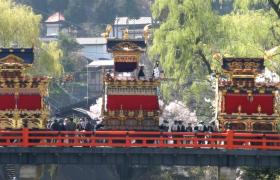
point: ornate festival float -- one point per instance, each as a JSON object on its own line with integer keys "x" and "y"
{"x": 21, "y": 95}
{"x": 130, "y": 100}
{"x": 243, "y": 103}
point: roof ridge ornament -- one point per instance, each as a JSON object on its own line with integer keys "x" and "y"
{"x": 125, "y": 34}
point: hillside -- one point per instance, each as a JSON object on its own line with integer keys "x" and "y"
{"x": 89, "y": 17}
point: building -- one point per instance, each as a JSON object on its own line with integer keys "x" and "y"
{"x": 135, "y": 26}
{"x": 54, "y": 24}
{"x": 94, "y": 48}
{"x": 95, "y": 74}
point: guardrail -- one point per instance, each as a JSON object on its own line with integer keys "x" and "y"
{"x": 220, "y": 140}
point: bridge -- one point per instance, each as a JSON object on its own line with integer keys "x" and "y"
{"x": 225, "y": 149}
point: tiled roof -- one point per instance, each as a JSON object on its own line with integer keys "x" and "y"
{"x": 127, "y": 21}
{"x": 91, "y": 41}
{"x": 98, "y": 63}
{"x": 56, "y": 17}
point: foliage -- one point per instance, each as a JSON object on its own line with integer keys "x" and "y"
{"x": 187, "y": 39}
{"x": 176, "y": 110}
{"x": 93, "y": 11}
{"x": 48, "y": 60}
{"x": 260, "y": 173}
{"x": 185, "y": 42}
{"x": 19, "y": 25}
{"x": 70, "y": 48}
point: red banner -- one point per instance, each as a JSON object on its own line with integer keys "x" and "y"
{"x": 132, "y": 102}
{"x": 249, "y": 104}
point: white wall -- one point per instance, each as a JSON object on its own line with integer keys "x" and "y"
{"x": 95, "y": 52}
{"x": 52, "y": 29}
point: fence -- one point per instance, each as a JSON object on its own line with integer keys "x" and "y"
{"x": 220, "y": 140}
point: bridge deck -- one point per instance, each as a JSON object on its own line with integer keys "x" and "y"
{"x": 140, "y": 156}
{"x": 140, "y": 148}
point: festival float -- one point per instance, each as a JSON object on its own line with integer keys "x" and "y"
{"x": 130, "y": 100}
{"x": 244, "y": 104}
{"x": 21, "y": 95}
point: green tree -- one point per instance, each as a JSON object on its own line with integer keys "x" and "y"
{"x": 70, "y": 49}
{"x": 185, "y": 42}
{"x": 48, "y": 61}
{"x": 187, "y": 39}
{"x": 20, "y": 27}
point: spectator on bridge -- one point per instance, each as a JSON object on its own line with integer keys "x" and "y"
{"x": 189, "y": 128}
{"x": 212, "y": 127}
{"x": 164, "y": 126}
{"x": 174, "y": 126}
{"x": 70, "y": 126}
{"x": 181, "y": 127}
{"x": 201, "y": 128}
{"x": 81, "y": 124}
{"x": 55, "y": 125}
{"x": 195, "y": 128}
{"x": 89, "y": 128}
{"x": 61, "y": 126}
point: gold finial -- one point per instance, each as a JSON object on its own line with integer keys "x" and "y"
{"x": 217, "y": 56}
{"x": 259, "y": 108}
{"x": 107, "y": 31}
{"x": 121, "y": 112}
{"x": 269, "y": 54}
{"x": 146, "y": 32}
{"x": 239, "y": 109}
{"x": 125, "y": 34}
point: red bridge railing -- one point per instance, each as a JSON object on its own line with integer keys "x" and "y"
{"x": 223, "y": 140}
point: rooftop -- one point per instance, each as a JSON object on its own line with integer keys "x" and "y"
{"x": 56, "y": 17}
{"x": 99, "y": 63}
{"x": 128, "y": 21}
{"x": 91, "y": 41}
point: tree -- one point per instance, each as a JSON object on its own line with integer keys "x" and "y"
{"x": 187, "y": 39}
{"x": 20, "y": 27}
{"x": 48, "y": 61}
{"x": 70, "y": 48}
{"x": 185, "y": 42}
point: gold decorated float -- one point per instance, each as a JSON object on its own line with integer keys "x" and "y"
{"x": 21, "y": 95}
{"x": 243, "y": 103}
{"x": 130, "y": 100}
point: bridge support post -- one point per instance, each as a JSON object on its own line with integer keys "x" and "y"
{"x": 25, "y": 135}
{"x": 230, "y": 135}
{"x": 124, "y": 170}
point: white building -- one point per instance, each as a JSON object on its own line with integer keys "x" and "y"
{"x": 94, "y": 48}
{"x": 54, "y": 24}
{"x": 95, "y": 72}
{"x": 135, "y": 26}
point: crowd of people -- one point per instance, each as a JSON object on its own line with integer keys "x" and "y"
{"x": 68, "y": 124}
{"x": 178, "y": 126}
{"x": 86, "y": 124}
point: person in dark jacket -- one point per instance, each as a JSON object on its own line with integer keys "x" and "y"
{"x": 181, "y": 127}
{"x": 89, "y": 128}
{"x": 70, "y": 126}
{"x": 189, "y": 128}
{"x": 55, "y": 125}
